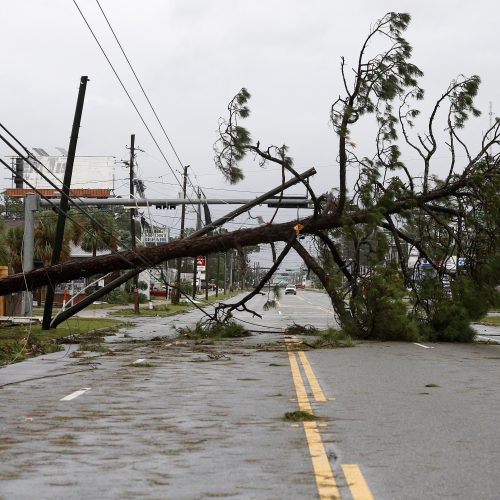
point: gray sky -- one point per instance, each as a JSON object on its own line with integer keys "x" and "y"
{"x": 194, "y": 55}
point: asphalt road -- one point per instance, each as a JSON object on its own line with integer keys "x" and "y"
{"x": 398, "y": 421}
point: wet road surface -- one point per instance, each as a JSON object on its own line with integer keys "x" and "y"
{"x": 171, "y": 419}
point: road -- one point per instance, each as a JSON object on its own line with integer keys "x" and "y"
{"x": 397, "y": 420}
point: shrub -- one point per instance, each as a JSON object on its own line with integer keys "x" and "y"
{"x": 116, "y": 296}
{"x": 332, "y": 338}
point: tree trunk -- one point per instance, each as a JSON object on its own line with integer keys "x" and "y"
{"x": 152, "y": 256}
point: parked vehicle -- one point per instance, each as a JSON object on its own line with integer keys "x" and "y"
{"x": 290, "y": 289}
{"x": 158, "y": 293}
{"x": 300, "y": 285}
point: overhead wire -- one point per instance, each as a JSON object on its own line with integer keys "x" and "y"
{"x": 140, "y": 84}
{"x": 127, "y": 93}
{"x": 55, "y": 186}
{"x": 143, "y": 91}
{"x": 144, "y": 259}
{"x": 132, "y": 102}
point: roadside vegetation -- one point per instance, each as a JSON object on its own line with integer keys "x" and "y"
{"x": 213, "y": 331}
{"x": 157, "y": 310}
{"x": 315, "y": 338}
{"x": 19, "y": 342}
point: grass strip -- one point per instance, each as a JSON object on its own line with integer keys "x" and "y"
{"x": 170, "y": 309}
{"x": 491, "y": 320}
{"x": 19, "y": 342}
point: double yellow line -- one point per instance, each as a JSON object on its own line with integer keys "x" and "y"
{"x": 325, "y": 480}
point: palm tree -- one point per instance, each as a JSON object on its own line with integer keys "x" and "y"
{"x": 45, "y": 232}
{"x": 4, "y": 248}
{"x": 14, "y": 243}
{"x": 100, "y": 233}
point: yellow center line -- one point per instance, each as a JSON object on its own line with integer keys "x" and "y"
{"x": 313, "y": 381}
{"x": 325, "y": 482}
{"x": 302, "y": 398}
{"x": 356, "y": 482}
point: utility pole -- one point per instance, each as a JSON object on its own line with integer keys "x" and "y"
{"x": 195, "y": 277}
{"x": 225, "y": 272}
{"x": 61, "y": 220}
{"x": 177, "y": 292}
{"x": 132, "y": 221}
{"x": 31, "y": 204}
{"x": 231, "y": 271}
{"x": 206, "y": 229}
{"x": 217, "y": 280}
{"x": 206, "y": 277}
{"x": 195, "y": 265}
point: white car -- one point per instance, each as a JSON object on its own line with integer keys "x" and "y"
{"x": 291, "y": 289}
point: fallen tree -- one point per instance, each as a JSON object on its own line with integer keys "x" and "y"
{"x": 455, "y": 214}
{"x": 269, "y": 233}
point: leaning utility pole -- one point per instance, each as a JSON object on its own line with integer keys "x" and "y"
{"x": 61, "y": 220}
{"x": 177, "y": 292}
{"x": 19, "y": 285}
{"x": 132, "y": 221}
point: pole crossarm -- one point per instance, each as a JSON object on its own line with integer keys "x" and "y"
{"x": 200, "y": 232}
{"x": 284, "y": 202}
{"x": 61, "y": 273}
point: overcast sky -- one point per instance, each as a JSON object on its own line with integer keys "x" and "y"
{"x": 192, "y": 56}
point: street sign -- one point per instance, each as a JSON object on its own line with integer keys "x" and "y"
{"x": 201, "y": 261}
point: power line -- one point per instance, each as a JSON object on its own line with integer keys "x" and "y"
{"x": 140, "y": 84}
{"x": 144, "y": 92}
{"x": 54, "y": 206}
{"x": 128, "y": 94}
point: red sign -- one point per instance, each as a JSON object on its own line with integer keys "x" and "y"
{"x": 201, "y": 261}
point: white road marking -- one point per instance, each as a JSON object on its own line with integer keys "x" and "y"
{"x": 424, "y": 346}
{"x": 138, "y": 361}
{"x": 75, "y": 394}
{"x": 279, "y": 312}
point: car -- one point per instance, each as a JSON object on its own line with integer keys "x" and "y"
{"x": 300, "y": 285}
{"x": 290, "y": 289}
